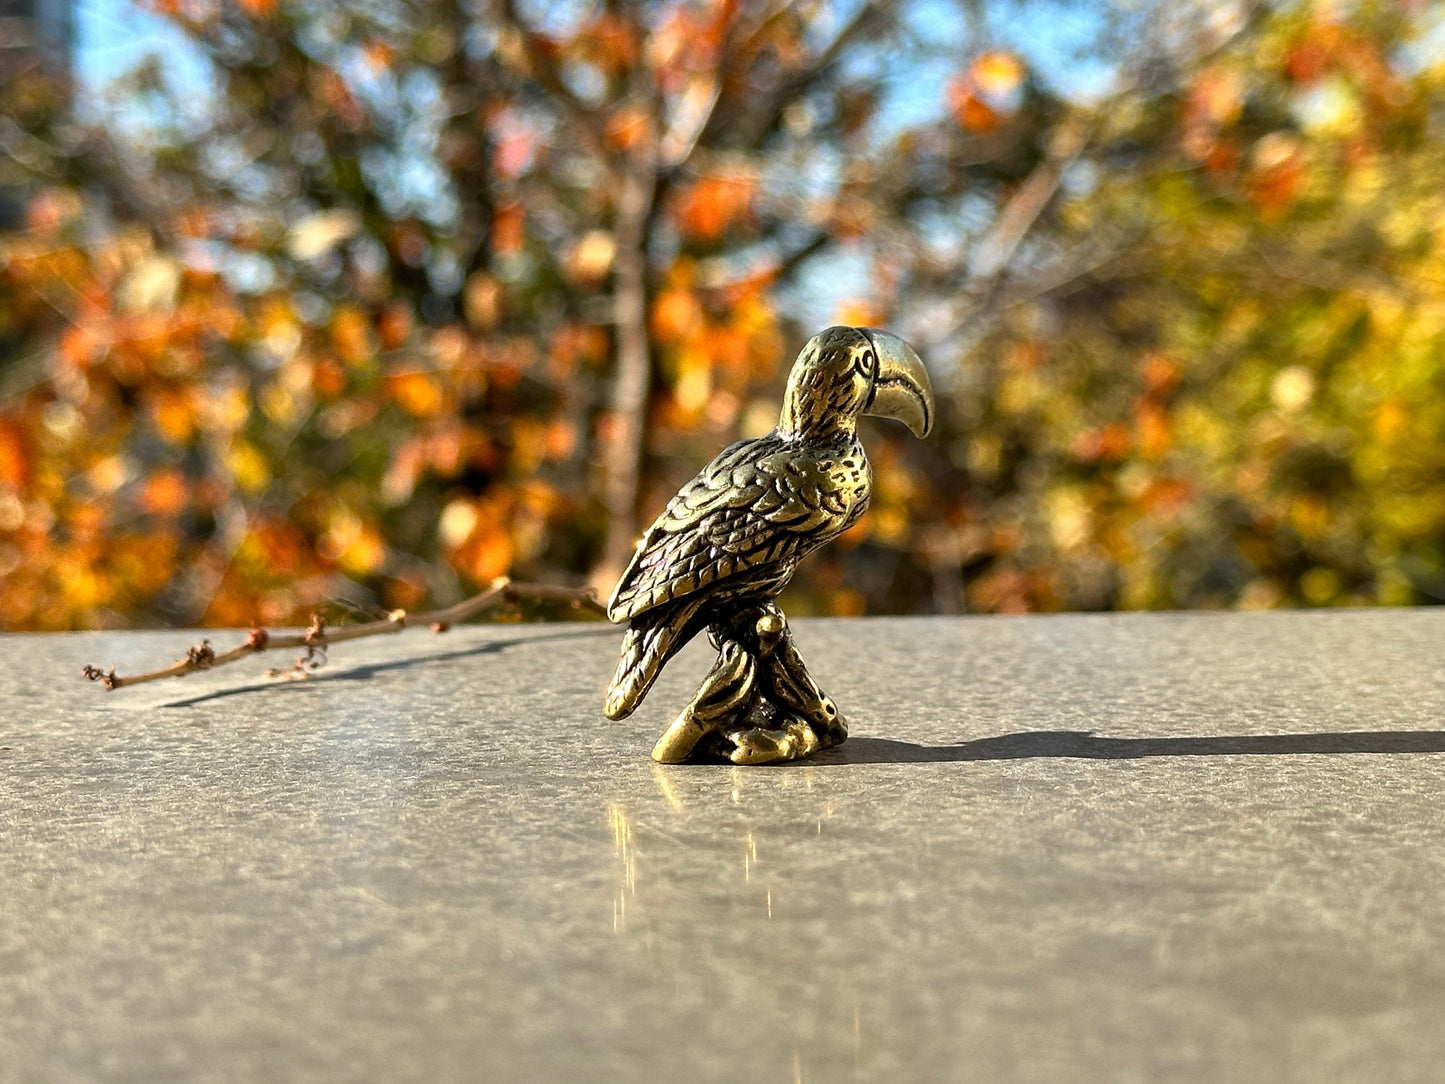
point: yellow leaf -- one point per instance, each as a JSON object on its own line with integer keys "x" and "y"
{"x": 248, "y": 467}
{"x": 997, "y": 74}
{"x": 457, "y": 520}
{"x": 694, "y": 379}
{"x": 591, "y": 258}
{"x": 483, "y": 299}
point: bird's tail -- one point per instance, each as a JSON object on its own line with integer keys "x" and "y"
{"x": 651, "y": 639}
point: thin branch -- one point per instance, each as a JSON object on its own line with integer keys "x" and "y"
{"x": 1089, "y": 259}
{"x": 996, "y": 251}
{"x": 544, "y": 71}
{"x": 749, "y": 129}
{"x": 713, "y": 275}
{"x": 788, "y": 262}
{"x": 319, "y": 636}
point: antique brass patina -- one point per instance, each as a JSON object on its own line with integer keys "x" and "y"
{"x": 729, "y": 542}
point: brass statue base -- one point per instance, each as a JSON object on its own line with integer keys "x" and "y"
{"x": 758, "y": 704}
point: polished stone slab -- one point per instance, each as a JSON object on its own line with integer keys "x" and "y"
{"x": 1122, "y": 847}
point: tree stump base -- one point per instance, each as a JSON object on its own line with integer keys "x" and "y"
{"x": 758, "y": 704}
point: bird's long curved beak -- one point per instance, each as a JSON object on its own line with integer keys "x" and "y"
{"x": 901, "y": 390}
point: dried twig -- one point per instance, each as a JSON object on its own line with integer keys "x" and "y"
{"x": 319, "y": 636}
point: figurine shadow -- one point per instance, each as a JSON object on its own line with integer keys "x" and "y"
{"x": 368, "y": 671}
{"x": 1084, "y": 745}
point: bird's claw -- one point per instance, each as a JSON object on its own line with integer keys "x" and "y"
{"x": 767, "y": 746}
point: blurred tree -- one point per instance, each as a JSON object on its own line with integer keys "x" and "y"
{"x": 432, "y": 291}
{"x": 1243, "y": 406}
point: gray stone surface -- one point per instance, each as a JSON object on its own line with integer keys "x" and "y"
{"x": 1147, "y": 847}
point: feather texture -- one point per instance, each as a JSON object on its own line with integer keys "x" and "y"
{"x": 735, "y": 531}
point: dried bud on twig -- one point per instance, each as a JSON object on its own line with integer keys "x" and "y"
{"x": 200, "y": 656}
{"x": 316, "y": 633}
{"x": 105, "y": 677}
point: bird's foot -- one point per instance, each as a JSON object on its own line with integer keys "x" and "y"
{"x": 784, "y": 736}
{"x": 770, "y": 745}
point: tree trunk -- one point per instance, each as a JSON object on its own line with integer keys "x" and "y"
{"x": 622, "y": 441}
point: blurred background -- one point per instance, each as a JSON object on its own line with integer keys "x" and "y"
{"x": 381, "y": 299}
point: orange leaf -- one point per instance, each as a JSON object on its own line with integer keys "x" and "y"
{"x": 675, "y": 314}
{"x": 487, "y": 553}
{"x": 79, "y": 345}
{"x": 379, "y": 55}
{"x": 1111, "y": 442}
{"x": 351, "y": 336}
{"x": 573, "y": 345}
{"x": 174, "y": 414}
{"x": 509, "y": 229}
{"x": 1152, "y": 428}
{"x": 393, "y": 325}
{"x": 1307, "y": 61}
{"x": 613, "y": 43}
{"x": 971, "y": 111}
{"x": 1276, "y": 173}
{"x": 1216, "y": 97}
{"x": 416, "y": 392}
{"x": 628, "y": 127}
{"x": 164, "y": 493}
{"x": 714, "y": 205}
{"x": 15, "y": 459}
{"x": 1165, "y": 496}
{"x": 1161, "y": 374}
{"x": 328, "y": 378}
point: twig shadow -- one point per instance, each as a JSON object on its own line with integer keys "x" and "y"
{"x": 368, "y": 671}
{"x": 1085, "y": 745}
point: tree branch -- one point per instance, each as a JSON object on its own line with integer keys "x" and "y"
{"x": 749, "y": 129}
{"x": 622, "y": 447}
{"x": 318, "y": 636}
{"x": 993, "y": 254}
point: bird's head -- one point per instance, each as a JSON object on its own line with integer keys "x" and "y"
{"x": 847, "y": 371}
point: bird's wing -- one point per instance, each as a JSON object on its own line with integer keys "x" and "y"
{"x": 759, "y": 502}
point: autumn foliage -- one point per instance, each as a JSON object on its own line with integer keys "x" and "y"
{"x": 437, "y": 296}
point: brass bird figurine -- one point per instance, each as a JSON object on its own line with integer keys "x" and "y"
{"x": 729, "y": 542}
